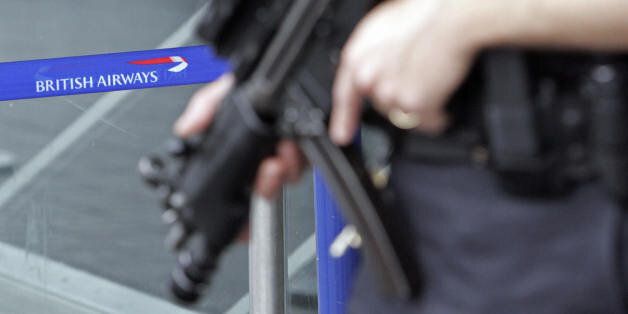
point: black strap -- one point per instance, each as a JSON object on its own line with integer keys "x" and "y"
{"x": 509, "y": 116}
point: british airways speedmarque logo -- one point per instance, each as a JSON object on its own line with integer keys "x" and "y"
{"x": 109, "y": 72}
{"x": 182, "y": 62}
{"x": 115, "y": 79}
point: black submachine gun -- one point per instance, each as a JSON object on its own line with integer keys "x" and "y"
{"x": 544, "y": 122}
{"x": 284, "y": 54}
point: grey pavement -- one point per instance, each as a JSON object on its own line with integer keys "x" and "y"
{"x": 88, "y": 209}
{"x": 7, "y": 161}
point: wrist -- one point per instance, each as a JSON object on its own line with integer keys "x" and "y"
{"x": 491, "y": 23}
{"x": 474, "y": 23}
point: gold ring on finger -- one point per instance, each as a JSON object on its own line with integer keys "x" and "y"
{"x": 404, "y": 120}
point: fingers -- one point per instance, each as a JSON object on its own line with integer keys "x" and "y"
{"x": 384, "y": 96}
{"x": 359, "y": 75}
{"x": 285, "y": 166}
{"x": 202, "y": 106}
{"x": 289, "y": 153}
{"x": 433, "y": 122}
{"x": 346, "y": 109}
{"x": 245, "y": 234}
{"x": 270, "y": 177}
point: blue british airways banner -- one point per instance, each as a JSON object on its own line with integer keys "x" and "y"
{"x": 109, "y": 72}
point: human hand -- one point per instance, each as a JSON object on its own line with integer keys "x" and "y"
{"x": 284, "y": 166}
{"x": 406, "y": 56}
{"x": 414, "y": 69}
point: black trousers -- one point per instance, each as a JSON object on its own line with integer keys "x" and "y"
{"x": 484, "y": 251}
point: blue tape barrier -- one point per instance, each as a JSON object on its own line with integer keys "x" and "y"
{"x": 335, "y": 275}
{"x": 109, "y": 72}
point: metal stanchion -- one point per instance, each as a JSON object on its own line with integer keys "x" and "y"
{"x": 267, "y": 266}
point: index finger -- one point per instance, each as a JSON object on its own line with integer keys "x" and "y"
{"x": 346, "y": 107}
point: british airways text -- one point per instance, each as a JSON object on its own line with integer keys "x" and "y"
{"x": 88, "y": 82}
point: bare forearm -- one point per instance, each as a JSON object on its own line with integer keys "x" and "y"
{"x": 580, "y": 24}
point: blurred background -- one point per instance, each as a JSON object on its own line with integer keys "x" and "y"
{"x": 79, "y": 233}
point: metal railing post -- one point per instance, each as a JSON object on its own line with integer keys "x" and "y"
{"x": 267, "y": 265}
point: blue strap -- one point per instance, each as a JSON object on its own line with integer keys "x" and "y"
{"x": 109, "y": 72}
